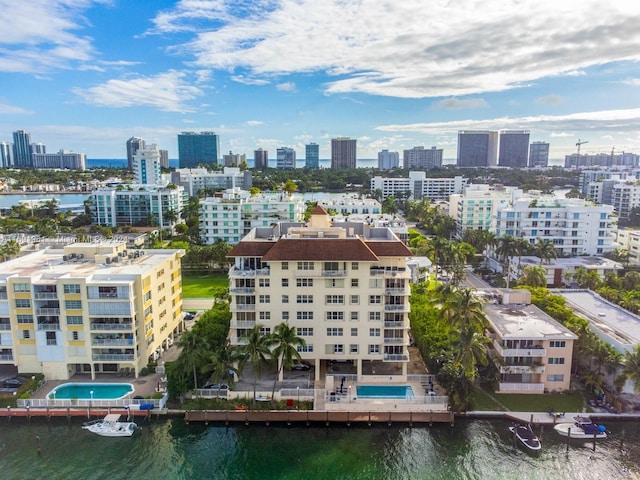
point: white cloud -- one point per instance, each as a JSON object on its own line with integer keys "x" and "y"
{"x": 253, "y": 123}
{"x": 634, "y": 82}
{"x": 509, "y": 44}
{"x": 6, "y": 109}
{"x": 550, "y": 100}
{"x": 286, "y": 87}
{"x": 166, "y": 91}
{"x": 460, "y": 104}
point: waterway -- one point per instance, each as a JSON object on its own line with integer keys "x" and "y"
{"x": 170, "y": 449}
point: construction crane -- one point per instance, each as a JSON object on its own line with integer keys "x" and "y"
{"x": 580, "y": 143}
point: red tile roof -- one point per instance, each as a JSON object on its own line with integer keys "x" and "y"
{"x": 250, "y": 249}
{"x": 318, "y": 210}
{"x": 320, "y": 249}
{"x": 390, "y": 249}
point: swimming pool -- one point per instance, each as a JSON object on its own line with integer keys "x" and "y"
{"x": 384, "y": 391}
{"x": 82, "y": 391}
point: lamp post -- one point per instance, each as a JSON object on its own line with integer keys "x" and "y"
{"x": 298, "y": 404}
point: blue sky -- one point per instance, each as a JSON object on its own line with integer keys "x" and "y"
{"x": 85, "y": 75}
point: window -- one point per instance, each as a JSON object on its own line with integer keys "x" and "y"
{"x": 555, "y": 361}
{"x": 354, "y": 265}
{"x": 331, "y": 266}
{"x": 304, "y": 331}
{"x": 147, "y": 295}
{"x": 74, "y": 305}
{"x": 308, "y": 348}
{"x": 264, "y": 299}
{"x": 23, "y": 303}
{"x": 26, "y": 334}
{"x": 355, "y": 299}
{"x": 375, "y": 299}
{"x": 354, "y": 282}
{"x": 21, "y": 287}
{"x": 375, "y": 283}
{"x": 74, "y": 320}
{"x": 354, "y": 332}
{"x": 304, "y": 298}
{"x": 25, "y": 318}
{"x": 334, "y": 332}
{"x": 335, "y": 316}
{"x": 555, "y": 378}
{"x": 285, "y": 298}
{"x": 338, "y": 349}
{"x": 265, "y": 331}
{"x": 71, "y": 288}
{"x": 263, "y": 282}
{"x": 334, "y": 283}
{"x": 304, "y": 315}
{"x": 353, "y": 348}
{"x": 557, "y": 344}
{"x": 285, "y": 265}
{"x": 374, "y": 316}
{"x": 75, "y": 336}
{"x": 374, "y": 348}
{"x": 334, "y": 299}
{"x": 285, "y": 316}
{"x": 374, "y": 332}
{"x": 304, "y": 282}
{"x": 51, "y": 338}
{"x": 355, "y": 316}
{"x": 285, "y": 282}
{"x": 305, "y": 265}
{"x": 265, "y": 315}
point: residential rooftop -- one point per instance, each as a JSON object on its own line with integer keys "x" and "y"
{"x": 528, "y": 322}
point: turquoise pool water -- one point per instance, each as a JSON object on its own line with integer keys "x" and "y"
{"x": 82, "y": 391}
{"x": 384, "y": 391}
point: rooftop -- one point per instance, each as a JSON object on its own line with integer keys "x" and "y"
{"x": 525, "y": 322}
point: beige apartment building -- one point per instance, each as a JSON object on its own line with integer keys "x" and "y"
{"x": 531, "y": 350}
{"x": 89, "y": 308}
{"x": 344, "y": 287}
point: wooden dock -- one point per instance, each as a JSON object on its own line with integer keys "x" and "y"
{"x": 73, "y": 412}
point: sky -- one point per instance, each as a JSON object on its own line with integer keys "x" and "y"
{"x": 85, "y": 75}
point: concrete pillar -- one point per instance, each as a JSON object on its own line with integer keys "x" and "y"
{"x": 359, "y": 367}
{"x": 404, "y": 369}
{"x": 317, "y": 369}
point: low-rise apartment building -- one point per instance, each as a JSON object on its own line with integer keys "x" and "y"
{"x": 89, "y": 308}
{"x": 417, "y": 186}
{"x": 344, "y": 287}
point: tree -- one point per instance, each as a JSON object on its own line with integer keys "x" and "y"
{"x": 194, "y": 354}
{"x": 463, "y": 309}
{"x": 506, "y": 249}
{"x": 255, "y": 350}
{"x": 11, "y": 248}
{"x": 631, "y": 371}
{"x": 290, "y": 187}
{"x": 223, "y": 365}
{"x": 284, "y": 343}
{"x": 545, "y": 250}
{"x": 534, "y": 276}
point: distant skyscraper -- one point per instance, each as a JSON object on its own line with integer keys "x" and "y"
{"x": 286, "y": 158}
{"x": 539, "y": 154}
{"x": 5, "y": 154}
{"x": 21, "y": 149}
{"x": 343, "y": 153}
{"x": 38, "y": 148}
{"x": 514, "y": 148}
{"x": 312, "y": 156}
{"x": 260, "y": 159}
{"x": 388, "y": 160}
{"x": 63, "y": 159}
{"x": 146, "y": 166}
{"x": 133, "y": 145}
{"x": 234, "y": 159}
{"x": 419, "y": 158}
{"x": 477, "y": 148}
{"x": 198, "y": 148}
{"x": 164, "y": 158}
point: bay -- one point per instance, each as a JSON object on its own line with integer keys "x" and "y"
{"x": 170, "y": 449}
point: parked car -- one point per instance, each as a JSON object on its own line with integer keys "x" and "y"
{"x": 12, "y": 383}
{"x": 216, "y": 386}
{"x": 300, "y": 366}
{"x": 189, "y": 316}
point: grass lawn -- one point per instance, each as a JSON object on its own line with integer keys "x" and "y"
{"x": 203, "y": 286}
{"x": 560, "y": 402}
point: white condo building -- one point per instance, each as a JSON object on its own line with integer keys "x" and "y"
{"x": 146, "y": 165}
{"x": 194, "y": 180}
{"x": 351, "y": 205}
{"x": 89, "y": 308}
{"x": 419, "y": 186}
{"x": 231, "y": 215}
{"x": 388, "y": 160}
{"x": 63, "y": 159}
{"x": 344, "y": 288}
{"x": 576, "y": 227}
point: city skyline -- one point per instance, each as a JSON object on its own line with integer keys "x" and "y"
{"x": 86, "y": 81}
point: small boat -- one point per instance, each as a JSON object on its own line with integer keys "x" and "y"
{"x": 111, "y": 426}
{"x": 581, "y": 428}
{"x": 524, "y": 433}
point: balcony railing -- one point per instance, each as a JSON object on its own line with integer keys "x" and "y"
{"x": 48, "y": 311}
{"x": 396, "y": 308}
{"x": 113, "y": 357}
{"x": 49, "y": 327}
{"x": 334, "y": 273}
{"x": 45, "y": 295}
{"x": 114, "y": 342}
{"x": 6, "y": 358}
{"x": 243, "y": 290}
{"x": 243, "y": 324}
{"x": 244, "y": 306}
{"x": 396, "y": 291}
{"x": 394, "y": 325}
{"x": 519, "y": 352}
{"x": 521, "y": 387}
{"x": 112, "y": 326}
{"x": 394, "y": 340}
{"x": 5, "y": 326}
{"x": 395, "y": 357}
{"x": 522, "y": 369}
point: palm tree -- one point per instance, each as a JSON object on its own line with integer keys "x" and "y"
{"x": 194, "y": 354}
{"x": 470, "y": 350}
{"x": 290, "y": 187}
{"x": 534, "y": 276}
{"x": 464, "y": 309}
{"x": 256, "y": 350}
{"x": 505, "y": 250}
{"x": 223, "y": 363}
{"x": 631, "y": 364}
{"x": 285, "y": 343}
{"x": 545, "y": 250}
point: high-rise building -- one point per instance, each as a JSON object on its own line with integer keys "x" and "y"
{"x": 539, "y": 154}
{"x": 5, "y": 155}
{"x": 286, "y": 158}
{"x": 38, "y": 148}
{"x": 198, "y": 148}
{"x": 21, "y": 149}
{"x": 164, "y": 158}
{"x": 419, "y": 158}
{"x": 514, "y": 148}
{"x": 195, "y": 180}
{"x": 312, "y": 156}
{"x": 133, "y": 145}
{"x": 388, "y": 160}
{"x": 234, "y": 159}
{"x": 260, "y": 159}
{"x": 477, "y": 148}
{"x": 146, "y": 166}
{"x": 63, "y": 159}
{"x": 343, "y": 153}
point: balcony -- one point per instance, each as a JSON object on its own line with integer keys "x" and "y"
{"x": 113, "y": 357}
{"x": 243, "y": 324}
{"x": 48, "y": 311}
{"x": 521, "y": 387}
{"x": 112, "y": 326}
{"x": 45, "y": 295}
{"x": 394, "y": 340}
{"x": 534, "y": 351}
{"x": 243, "y": 307}
{"x": 5, "y": 326}
{"x": 395, "y": 325}
{"x": 112, "y": 342}
{"x": 49, "y": 327}
{"x": 334, "y": 273}
{"x": 396, "y": 308}
{"x": 240, "y": 290}
{"x": 6, "y": 358}
{"x": 395, "y": 357}
{"x": 396, "y": 291}
{"x": 237, "y": 273}
{"x": 522, "y": 369}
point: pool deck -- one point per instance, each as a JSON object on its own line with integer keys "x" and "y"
{"x": 144, "y": 386}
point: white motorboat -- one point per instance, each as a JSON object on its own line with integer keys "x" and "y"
{"x": 581, "y": 428}
{"x": 111, "y": 426}
{"x": 524, "y": 433}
